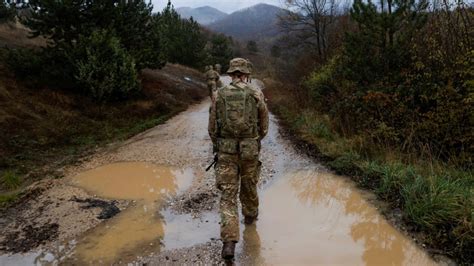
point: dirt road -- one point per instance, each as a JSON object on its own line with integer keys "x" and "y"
{"x": 169, "y": 210}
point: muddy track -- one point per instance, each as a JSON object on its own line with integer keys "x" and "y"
{"x": 308, "y": 216}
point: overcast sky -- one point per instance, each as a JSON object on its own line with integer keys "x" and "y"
{"x": 227, "y": 6}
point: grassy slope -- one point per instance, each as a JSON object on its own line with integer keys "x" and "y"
{"x": 436, "y": 200}
{"x": 43, "y": 128}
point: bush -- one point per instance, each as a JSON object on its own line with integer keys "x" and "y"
{"x": 23, "y": 61}
{"x": 103, "y": 68}
{"x": 346, "y": 164}
{"x": 321, "y": 83}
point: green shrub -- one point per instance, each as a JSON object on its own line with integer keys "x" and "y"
{"x": 103, "y": 68}
{"x": 321, "y": 83}
{"x": 346, "y": 164}
{"x": 23, "y": 61}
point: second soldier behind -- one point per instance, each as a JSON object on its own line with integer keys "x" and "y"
{"x": 213, "y": 79}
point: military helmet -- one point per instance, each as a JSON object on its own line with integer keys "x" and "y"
{"x": 238, "y": 64}
{"x": 206, "y": 68}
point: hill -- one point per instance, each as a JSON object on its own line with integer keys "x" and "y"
{"x": 253, "y": 23}
{"x": 43, "y": 128}
{"x": 203, "y": 15}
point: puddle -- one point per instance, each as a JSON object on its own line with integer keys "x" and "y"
{"x": 135, "y": 181}
{"x": 139, "y": 229}
{"x": 185, "y": 231}
{"x": 306, "y": 218}
{"x": 314, "y": 218}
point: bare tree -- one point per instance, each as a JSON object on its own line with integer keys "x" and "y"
{"x": 308, "y": 22}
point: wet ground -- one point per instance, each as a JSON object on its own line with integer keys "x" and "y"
{"x": 168, "y": 210}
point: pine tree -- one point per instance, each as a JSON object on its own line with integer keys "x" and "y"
{"x": 384, "y": 33}
{"x": 221, "y": 50}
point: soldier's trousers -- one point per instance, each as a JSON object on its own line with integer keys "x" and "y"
{"x": 236, "y": 178}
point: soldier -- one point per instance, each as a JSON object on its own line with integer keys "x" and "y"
{"x": 250, "y": 65}
{"x": 218, "y": 68}
{"x": 213, "y": 79}
{"x": 238, "y": 121}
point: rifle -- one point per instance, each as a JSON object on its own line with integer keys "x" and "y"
{"x": 213, "y": 163}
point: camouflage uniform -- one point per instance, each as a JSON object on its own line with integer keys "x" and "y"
{"x": 238, "y": 163}
{"x": 213, "y": 80}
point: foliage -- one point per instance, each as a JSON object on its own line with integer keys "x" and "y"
{"x": 7, "y": 12}
{"x": 252, "y": 47}
{"x": 221, "y": 50}
{"x": 407, "y": 93}
{"x": 103, "y": 68}
{"x": 181, "y": 39}
{"x": 275, "y": 51}
{"x": 63, "y": 22}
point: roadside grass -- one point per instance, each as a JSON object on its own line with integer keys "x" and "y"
{"x": 436, "y": 198}
{"x": 11, "y": 180}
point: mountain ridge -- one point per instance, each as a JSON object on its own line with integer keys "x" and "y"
{"x": 204, "y": 15}
{"x": 250, "y": 23}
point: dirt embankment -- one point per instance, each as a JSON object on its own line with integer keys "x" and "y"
{"x": 43, "y": 129}
{"x": 14, "y": 35}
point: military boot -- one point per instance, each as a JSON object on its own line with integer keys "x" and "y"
{"x": 228, "y": 250}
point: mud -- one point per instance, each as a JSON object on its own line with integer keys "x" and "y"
{"x": 29, "y": 237}
{"x": 109, "y": 209}
{"x": 169, "y": 207}
{"x": 45, "y": 217}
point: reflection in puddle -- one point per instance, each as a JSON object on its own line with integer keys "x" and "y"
{"x": 315, "y": 218}
{"x": 139, "y": 229}
{"x": 185, "y": 231}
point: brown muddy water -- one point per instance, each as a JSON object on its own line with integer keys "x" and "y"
{"x": 315, "y": 218}
{"x": 307, "y": 217}
{"x": 140, "y": 228}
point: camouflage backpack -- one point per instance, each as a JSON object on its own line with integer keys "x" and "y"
{"x": 237, "y": 112}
